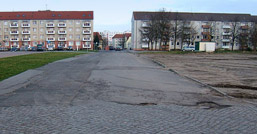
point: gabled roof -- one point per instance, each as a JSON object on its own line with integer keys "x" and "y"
{"x": 99, "y": 36}
{"x": 118, "y": 36}
{"x": 195, "y": 16}
{"x": 47, "y": 15}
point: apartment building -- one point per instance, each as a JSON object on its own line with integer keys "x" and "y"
{"x": 50, "y": 28}
{"x": 120, "y": 40}
{"x": 214, "y": 27}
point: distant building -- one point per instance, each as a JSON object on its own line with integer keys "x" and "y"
{"x": 109, "y": 35}
{"x": 215, "y": 27}
{"x": 120, "y": 40}
{"x": 50, "y": 28}
{"x": 100, "y": 45}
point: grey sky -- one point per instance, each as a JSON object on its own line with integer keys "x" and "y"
{"x": 115, "y": 15}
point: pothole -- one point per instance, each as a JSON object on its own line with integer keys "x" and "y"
{"x": 210, "y": 105}
{"x": 146, "y": 104}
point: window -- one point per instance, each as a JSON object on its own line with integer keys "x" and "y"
{"x": 71, "y": 22}
{"x": 34, "y": 43}
{"x": 23, "y": 15}
{"x": 41, "y": 36}
{"x": 70, "y": 29}
{"x": 71, "y": 36}
{"x": 6, "y": 37}
{"x": 18, "y": 15}
{"x": 198, "y": 37}
{"x": 41, "y": 22}
{"x": 177, "y": 43}
{"x": 77, "y": 22}
{"x": 5, "y": 23}
{"x": 70, "y": 43}
{"x": 77, "y": 36}
{"x": 6, "y": 43}
{"x": 6, "y": 30}
{"x": 41, "y": 29}
{"x": 78, "y": 43}
{"x": 78, "y": 29}
{"x": 34, "y": 22}
{"x": 34, "y": 36}
{"x": 34, "y": 29}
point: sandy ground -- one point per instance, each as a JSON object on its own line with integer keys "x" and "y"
{"x": 10, "y": 54}
{"x": 234, "y": 74}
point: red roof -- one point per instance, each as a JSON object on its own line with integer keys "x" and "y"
{"x": 127, "y": 35}
{"x": 99, "y": 36}
{"x": 118, "y": 36}
{"x": 46, "y": 15}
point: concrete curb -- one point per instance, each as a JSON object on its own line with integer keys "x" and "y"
{"x": 192, "y": 79}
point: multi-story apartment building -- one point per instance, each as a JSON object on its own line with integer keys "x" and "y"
{"x": 51, "y": 28}
{"x": 215, "y": 27}
{"x": 120, "y": 40}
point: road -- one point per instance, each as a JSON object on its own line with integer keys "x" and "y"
{"x": 116, "y": 92}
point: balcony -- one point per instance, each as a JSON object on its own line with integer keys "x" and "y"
{"x": 25, "y": 39}
{"x": 25, "y": 32}
{"x": 49, "y": 25}
{"x": 226, "y": 27}
{"x": 205, "y": 40}
{"x": 206, "y": 26}
{"x": 244, "y": 27}
{"x": 226, "y": 33}
{"x": 14, "y": 25}
{"x": 50, "y": 32}
{"x": 86, "y": 31}
{"x": 61, "y": 25}
{"x": 14, "y": 39}
{"x": 62, "y": 32}
{"x": 14, "y": 32}
{"x": 225, "y": 40}
{"x": 145, "y": 40}
{"x": 87, "y": 24}
{"x": 50, "y": 39}
{"x": 86, "y": 39}
{"x": 25, "y": 25}
{"x": 62, "y": 39}
{"x": 86, "y": 45}
{"x": 145, "y": 25}
{"x": 205, "y": 33}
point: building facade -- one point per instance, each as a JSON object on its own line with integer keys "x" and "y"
{"x": 50, "y": 28}
{"x": 120, "y": 40}
{"x": 209, "y": 27}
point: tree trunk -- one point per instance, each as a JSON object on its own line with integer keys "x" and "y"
{"x": 254, "y": 47}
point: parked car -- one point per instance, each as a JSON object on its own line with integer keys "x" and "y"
{"x": 188, "y": 48}
{"x": 60, "y": 48}
{"x": 118, "y": 48}
{"x": 50, "y": 48}
{"x": 70, "y": 48}
{"x": 40, "y": 47}
{"x": 111, "y": 48}
{"x": 3, "y": 49}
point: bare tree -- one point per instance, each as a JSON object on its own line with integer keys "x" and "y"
{"x": 188, "y": 33}
{"x": 164, "y": 27}
{"x": 234, "y": 31}
{"x": 243, "y": 37}
{"x": 253, "y": 36}
{"x": 176, "y": 29}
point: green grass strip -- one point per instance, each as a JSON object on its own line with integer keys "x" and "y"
{"x": 11, "y": 66}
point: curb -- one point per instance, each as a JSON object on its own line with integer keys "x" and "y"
{"x": 192, "y": 79}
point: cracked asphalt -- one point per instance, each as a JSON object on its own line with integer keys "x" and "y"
{"x": 116, "y": 92}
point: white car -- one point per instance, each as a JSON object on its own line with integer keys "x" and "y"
{"x": 188, "y": 48}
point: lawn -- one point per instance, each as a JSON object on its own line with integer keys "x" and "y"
{"x": 11, "y": 66}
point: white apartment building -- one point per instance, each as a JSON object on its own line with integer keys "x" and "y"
{"x": 50, "y": 28}
{"x": 219, "y": 24}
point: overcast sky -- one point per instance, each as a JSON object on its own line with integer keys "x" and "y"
{"x": 115, "y": 15}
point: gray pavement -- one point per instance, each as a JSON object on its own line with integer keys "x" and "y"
{"x": 116, "y": 92}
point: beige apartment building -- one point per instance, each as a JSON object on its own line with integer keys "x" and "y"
{"x": 217, "y": 25}
{"x": 50, "y": 28}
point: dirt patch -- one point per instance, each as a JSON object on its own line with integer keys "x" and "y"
{"x": 231, "y": 73}
{"x": 210, "y": 105}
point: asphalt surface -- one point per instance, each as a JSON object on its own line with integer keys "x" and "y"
{"x": 116, "y": 92}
